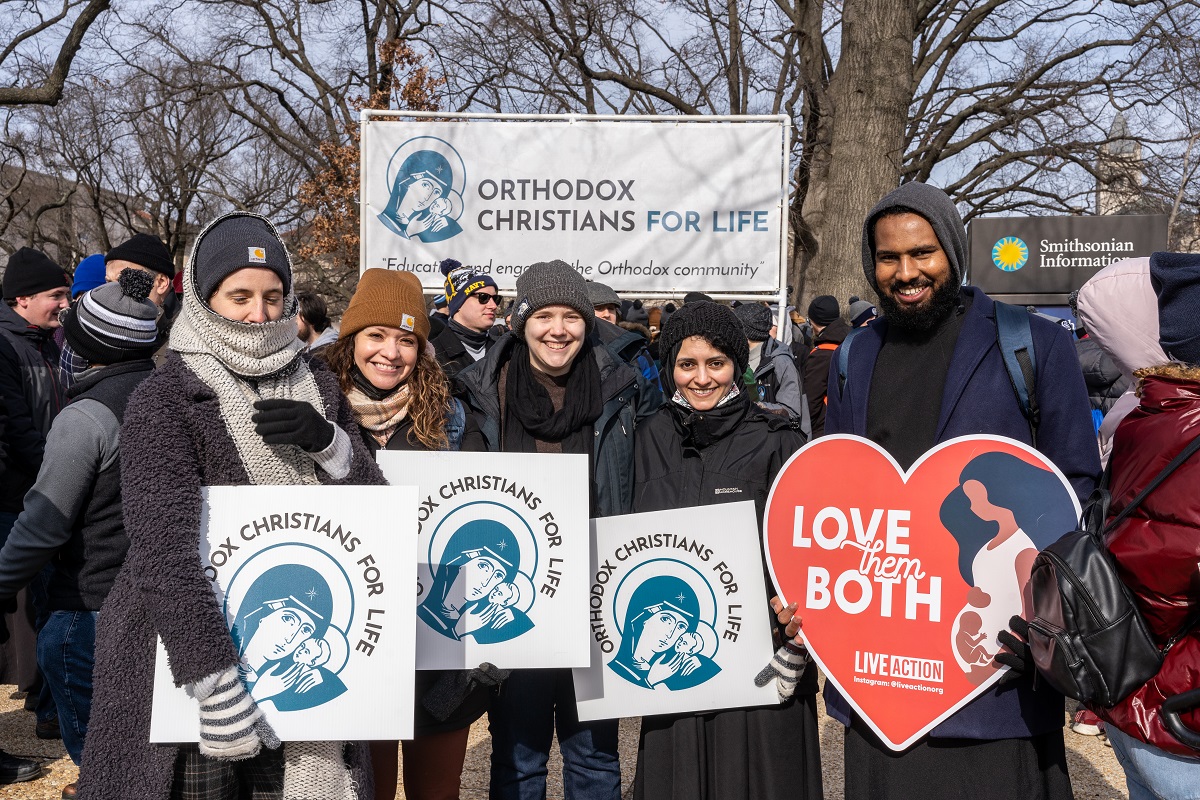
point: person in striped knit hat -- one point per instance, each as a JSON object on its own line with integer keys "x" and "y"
{"x": 73, "y": 513}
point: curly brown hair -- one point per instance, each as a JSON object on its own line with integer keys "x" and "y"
{"x": 429, "y": 391}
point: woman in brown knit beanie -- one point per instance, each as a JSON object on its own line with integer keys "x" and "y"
{"x": 401, "y": 401}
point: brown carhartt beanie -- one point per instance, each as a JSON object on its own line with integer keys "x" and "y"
{"x": 387, "y": 297}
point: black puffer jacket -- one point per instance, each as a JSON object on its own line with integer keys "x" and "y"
{"x": 685, "y": 458}
{"x": 451, "y": 353}
{"x": 1105, "y": 383}
{"x": 32, "y": 397}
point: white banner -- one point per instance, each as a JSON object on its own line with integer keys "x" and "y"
{"x": 641, "y": 206}
{"x": 502, "y": 567}
{"x": 679, "y": 615}
{"x": 314, "y": 583}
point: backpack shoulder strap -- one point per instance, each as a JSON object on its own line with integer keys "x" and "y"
{"x": 1183, "y": 456}
{"x": 1016, "y": 346}
{"x": 843, "y": 359}
{"x": 456, "y": 423}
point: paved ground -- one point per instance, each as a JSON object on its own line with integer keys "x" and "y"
{"x": 1094, "y": 771}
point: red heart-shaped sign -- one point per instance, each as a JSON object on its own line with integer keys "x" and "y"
{"x": 903, "y": 581}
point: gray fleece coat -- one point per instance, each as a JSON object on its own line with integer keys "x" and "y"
{"x": 174, "y": 442}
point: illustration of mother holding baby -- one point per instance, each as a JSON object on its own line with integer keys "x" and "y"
{"x": 1002, "y": 513}
{"x": 662, "y": 643}
{"x": 290, "y": 654}
{"x": 478, "y": 588}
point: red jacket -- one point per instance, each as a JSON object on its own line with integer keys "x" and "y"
{"x": 1157, "y": 549}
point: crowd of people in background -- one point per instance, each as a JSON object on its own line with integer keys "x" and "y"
{"x": 126, "y": 389}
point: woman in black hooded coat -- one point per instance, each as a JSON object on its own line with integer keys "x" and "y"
{"x": 710, "y": 444}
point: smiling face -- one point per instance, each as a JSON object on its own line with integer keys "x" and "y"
{"x": 386, "y": 356}
{"x": 252, "y": 295}
{"x": 41, "y": 309}
{"x": 703, "y": 374}
{"x": 913, "y": 272}
{"x": 554, "y": 335}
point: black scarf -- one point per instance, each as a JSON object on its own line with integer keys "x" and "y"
{"x": 470, "y": 338}
{"x": 530, "y": 414}
{"x": 366, "y": 387}
{"x": 700, "y": 429}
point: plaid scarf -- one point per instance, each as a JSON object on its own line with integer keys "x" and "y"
{"x": 380, "y": 418}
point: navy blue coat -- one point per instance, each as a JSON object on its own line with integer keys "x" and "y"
{"x": 979, "y": 398}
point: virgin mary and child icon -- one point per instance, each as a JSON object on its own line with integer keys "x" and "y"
{"x": 291, "y": 650}
{"x": 479, "y": 590}
{"x": 665, "y": 642}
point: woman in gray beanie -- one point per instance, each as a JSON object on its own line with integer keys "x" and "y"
{"x": 236, "y": 403}
{"x": 548, "y": 386}
{"x": 712, "y": 444}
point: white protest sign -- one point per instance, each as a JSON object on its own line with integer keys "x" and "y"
{"x": 679, "y": 614}
{"x": 313, "y": 582}
{"x": 639, "y": 205}
{"x": 502, "y": 568}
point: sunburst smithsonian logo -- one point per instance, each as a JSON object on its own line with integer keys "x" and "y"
{"x": 1010, "y": 254}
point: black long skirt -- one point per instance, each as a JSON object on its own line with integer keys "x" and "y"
{"x": 770, "y": 753}
{"x": 951, "y": 769}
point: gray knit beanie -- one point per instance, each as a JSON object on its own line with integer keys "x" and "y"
{"x": 756, "y": 319}
{"x": 602, "y": 295}
{"x": 115, "y": 322}
{"x": 551, "y": 283}
{"x": 237, "y": 241}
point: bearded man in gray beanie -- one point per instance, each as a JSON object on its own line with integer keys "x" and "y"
{"x": 929, "y": 370}
{"x": 550, "y": 386}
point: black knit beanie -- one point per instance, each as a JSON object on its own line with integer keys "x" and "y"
{"x": 31, "y": 272}
{"x": 145, "y": 251}
{"x": 756, "y": 319}
{"x": 1176, "y": 280}
{"x": 237, "y": 241}
{"x": 717, "y": 324}
{"x": 692, "y": 297}
{"x": 551, "y": 283}
{"x": 115, "y": 322}
{"x": 824, "y": 309}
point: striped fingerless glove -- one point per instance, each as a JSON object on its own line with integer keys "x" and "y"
{"x": 232, "y": 726}
{"x": 785, "y": 667}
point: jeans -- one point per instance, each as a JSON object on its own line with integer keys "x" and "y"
{"x": 531, "y": 706}
{"x": 1152, "y": 773}
{"x": 66, "y": 654}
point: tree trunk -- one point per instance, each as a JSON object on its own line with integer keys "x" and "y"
{"x": 869, "y": 94}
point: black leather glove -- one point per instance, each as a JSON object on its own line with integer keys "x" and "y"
{"x": 1020, "y": 660}
{"x": 292, "y": 422}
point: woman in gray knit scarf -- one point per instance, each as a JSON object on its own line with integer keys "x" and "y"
{"x": 235, "y": 404}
